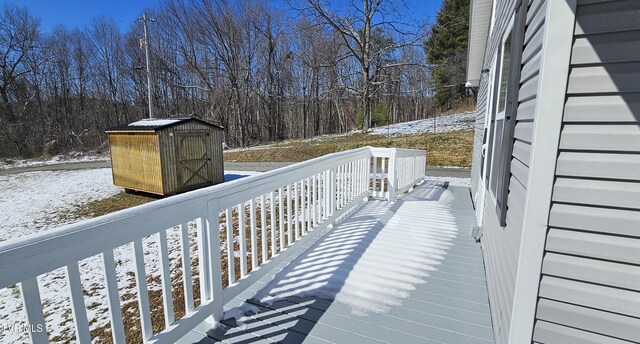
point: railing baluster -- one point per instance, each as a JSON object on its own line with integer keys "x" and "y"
{"x": 356, "y": 178}
{"x": 165, "y": 277}
{"x": 385, "y": 169}
{"x": 203, "y": 261}
{"x": 186, "y": 267}
{"x": 113, "y": 297}
{"x": 314, "y": 196}
{"x": 289, "y": 218}
{"x": 143, "y": 294}
{"x": 272, "y": 198}
{"x": 343, "y": 188}
{"x": 212, "y": 224}
{"x": 320, "y": 194}
{"x": 352, "y": 193}
{"x": 333, "y": 205}
{"x": 254, "y": 234}
{"x": 309, "y": 205}
{"x": 303, "y": 207}
{"x": 324, "y": 204}
{"x": 231, "y": 260}
{"x": 280, "y": 223}
{"x": 375, "y": 177}
{"x": 263, "y": 223}
{"x": 295, "y": 210}
{"x": 243, "y": 240}
{"x": 33, "y": 308}
{"x": 80, "y": 321}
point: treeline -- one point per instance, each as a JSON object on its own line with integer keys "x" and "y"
{"x": 262, "y": 73}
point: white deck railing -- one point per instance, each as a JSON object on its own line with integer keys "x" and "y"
{"x": 289, "y": 202}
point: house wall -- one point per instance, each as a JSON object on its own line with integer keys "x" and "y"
{"x": 590, "y": 281}
{"x": 501, "y": 245}
{"x": 170, "y": 160}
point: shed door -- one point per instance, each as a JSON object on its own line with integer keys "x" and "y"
{"x": 194, "y": 160}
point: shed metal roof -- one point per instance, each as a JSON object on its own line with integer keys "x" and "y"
{"x": 156, "y": 124}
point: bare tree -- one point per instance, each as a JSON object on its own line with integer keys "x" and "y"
{"x": 355, "y": 24}
{"x": 19, "y": 42}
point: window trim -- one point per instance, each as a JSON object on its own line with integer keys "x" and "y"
{"x": 495, "y": 165}
{"x": 511, "y": 108}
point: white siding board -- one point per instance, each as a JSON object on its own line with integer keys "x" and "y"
{"x": 531, "y": 68}
{"x": 522, "y": 152}
{"x": 592, "y": 270}
{"x": 524, "y": 131}
{"x": 591, "y": 295}
{"x": 612, "y": 108}
{"x": 550, "y": 333}
{"x": 597, "y": 192}
{"x": 607, "y": 17}
{"x": 599, "y": 165}
{"x": 606, "y": 48}
{"x": 619, "y": 77}
{"x": 526, "y": 110}
{"x": 595, "y": 219}
{"x": 601, "y": 137}
{"x": 602, "y": 246}
{"x": 533, "y": 46}
{"x": 529, "y": 89}
{"x": 520, "y": 171}
{"x": 535, "y": 25}
{"x": 614, "y": 325}
{"x": 535, "y": 7}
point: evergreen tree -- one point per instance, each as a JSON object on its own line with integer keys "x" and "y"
{"x": 446, "y": 49}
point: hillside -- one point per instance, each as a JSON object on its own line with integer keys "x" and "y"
{"x": 448, "y": 141}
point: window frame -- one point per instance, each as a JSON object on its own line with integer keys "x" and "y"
{"x": 517, "y": 29}
{"x": 497, "y": 115}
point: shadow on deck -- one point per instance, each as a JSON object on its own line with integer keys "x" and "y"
{"x": 399, "y": 272}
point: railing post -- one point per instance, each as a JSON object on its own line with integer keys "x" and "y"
{"x": 215, "y": 276}
{"x": 391, "y": 175}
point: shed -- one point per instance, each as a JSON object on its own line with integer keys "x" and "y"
{"x": 166, "y": 156}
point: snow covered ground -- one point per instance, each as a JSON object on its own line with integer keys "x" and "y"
{"x": 58, "y": 159}
{"x": 32, "y": 202}
{"x": 443, "y": 124}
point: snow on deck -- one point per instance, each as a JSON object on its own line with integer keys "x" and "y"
{"x": 400, "y": 272}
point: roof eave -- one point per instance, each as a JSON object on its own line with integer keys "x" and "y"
{"x": 479, "y": 19}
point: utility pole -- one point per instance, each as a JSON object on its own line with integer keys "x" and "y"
{"x": 145, "y": 42}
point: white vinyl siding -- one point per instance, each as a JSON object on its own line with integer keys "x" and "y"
{"x": 501, "y": 245}
{"x": 590, "y": 283}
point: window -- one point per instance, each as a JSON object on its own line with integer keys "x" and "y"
{"x": 499, "y": 118}
{"x": 506, "y": 89}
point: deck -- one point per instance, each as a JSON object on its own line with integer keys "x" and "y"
{"x": 392, "y": 272}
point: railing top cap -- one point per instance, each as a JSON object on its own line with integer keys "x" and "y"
{"x": 200, "y": 196}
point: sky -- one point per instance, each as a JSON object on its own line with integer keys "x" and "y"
{"x": 78, "y": 13}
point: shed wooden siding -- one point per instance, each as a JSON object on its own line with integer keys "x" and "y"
{"x": 501, "y": 245}
{"x": 590, "y": 283}
{"x": 171, "y": 161}
{"x": 143, "y": 171}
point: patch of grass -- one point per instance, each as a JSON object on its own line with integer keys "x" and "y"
{"x": 444, "y": 149}
{"x": 107, "y": 205}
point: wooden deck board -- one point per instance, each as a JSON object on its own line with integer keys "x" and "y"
{"x": 448, "y": 304}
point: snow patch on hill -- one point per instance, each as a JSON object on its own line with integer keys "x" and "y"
{"x": 58, "y": 159}
{"x": 443, "y": 124}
